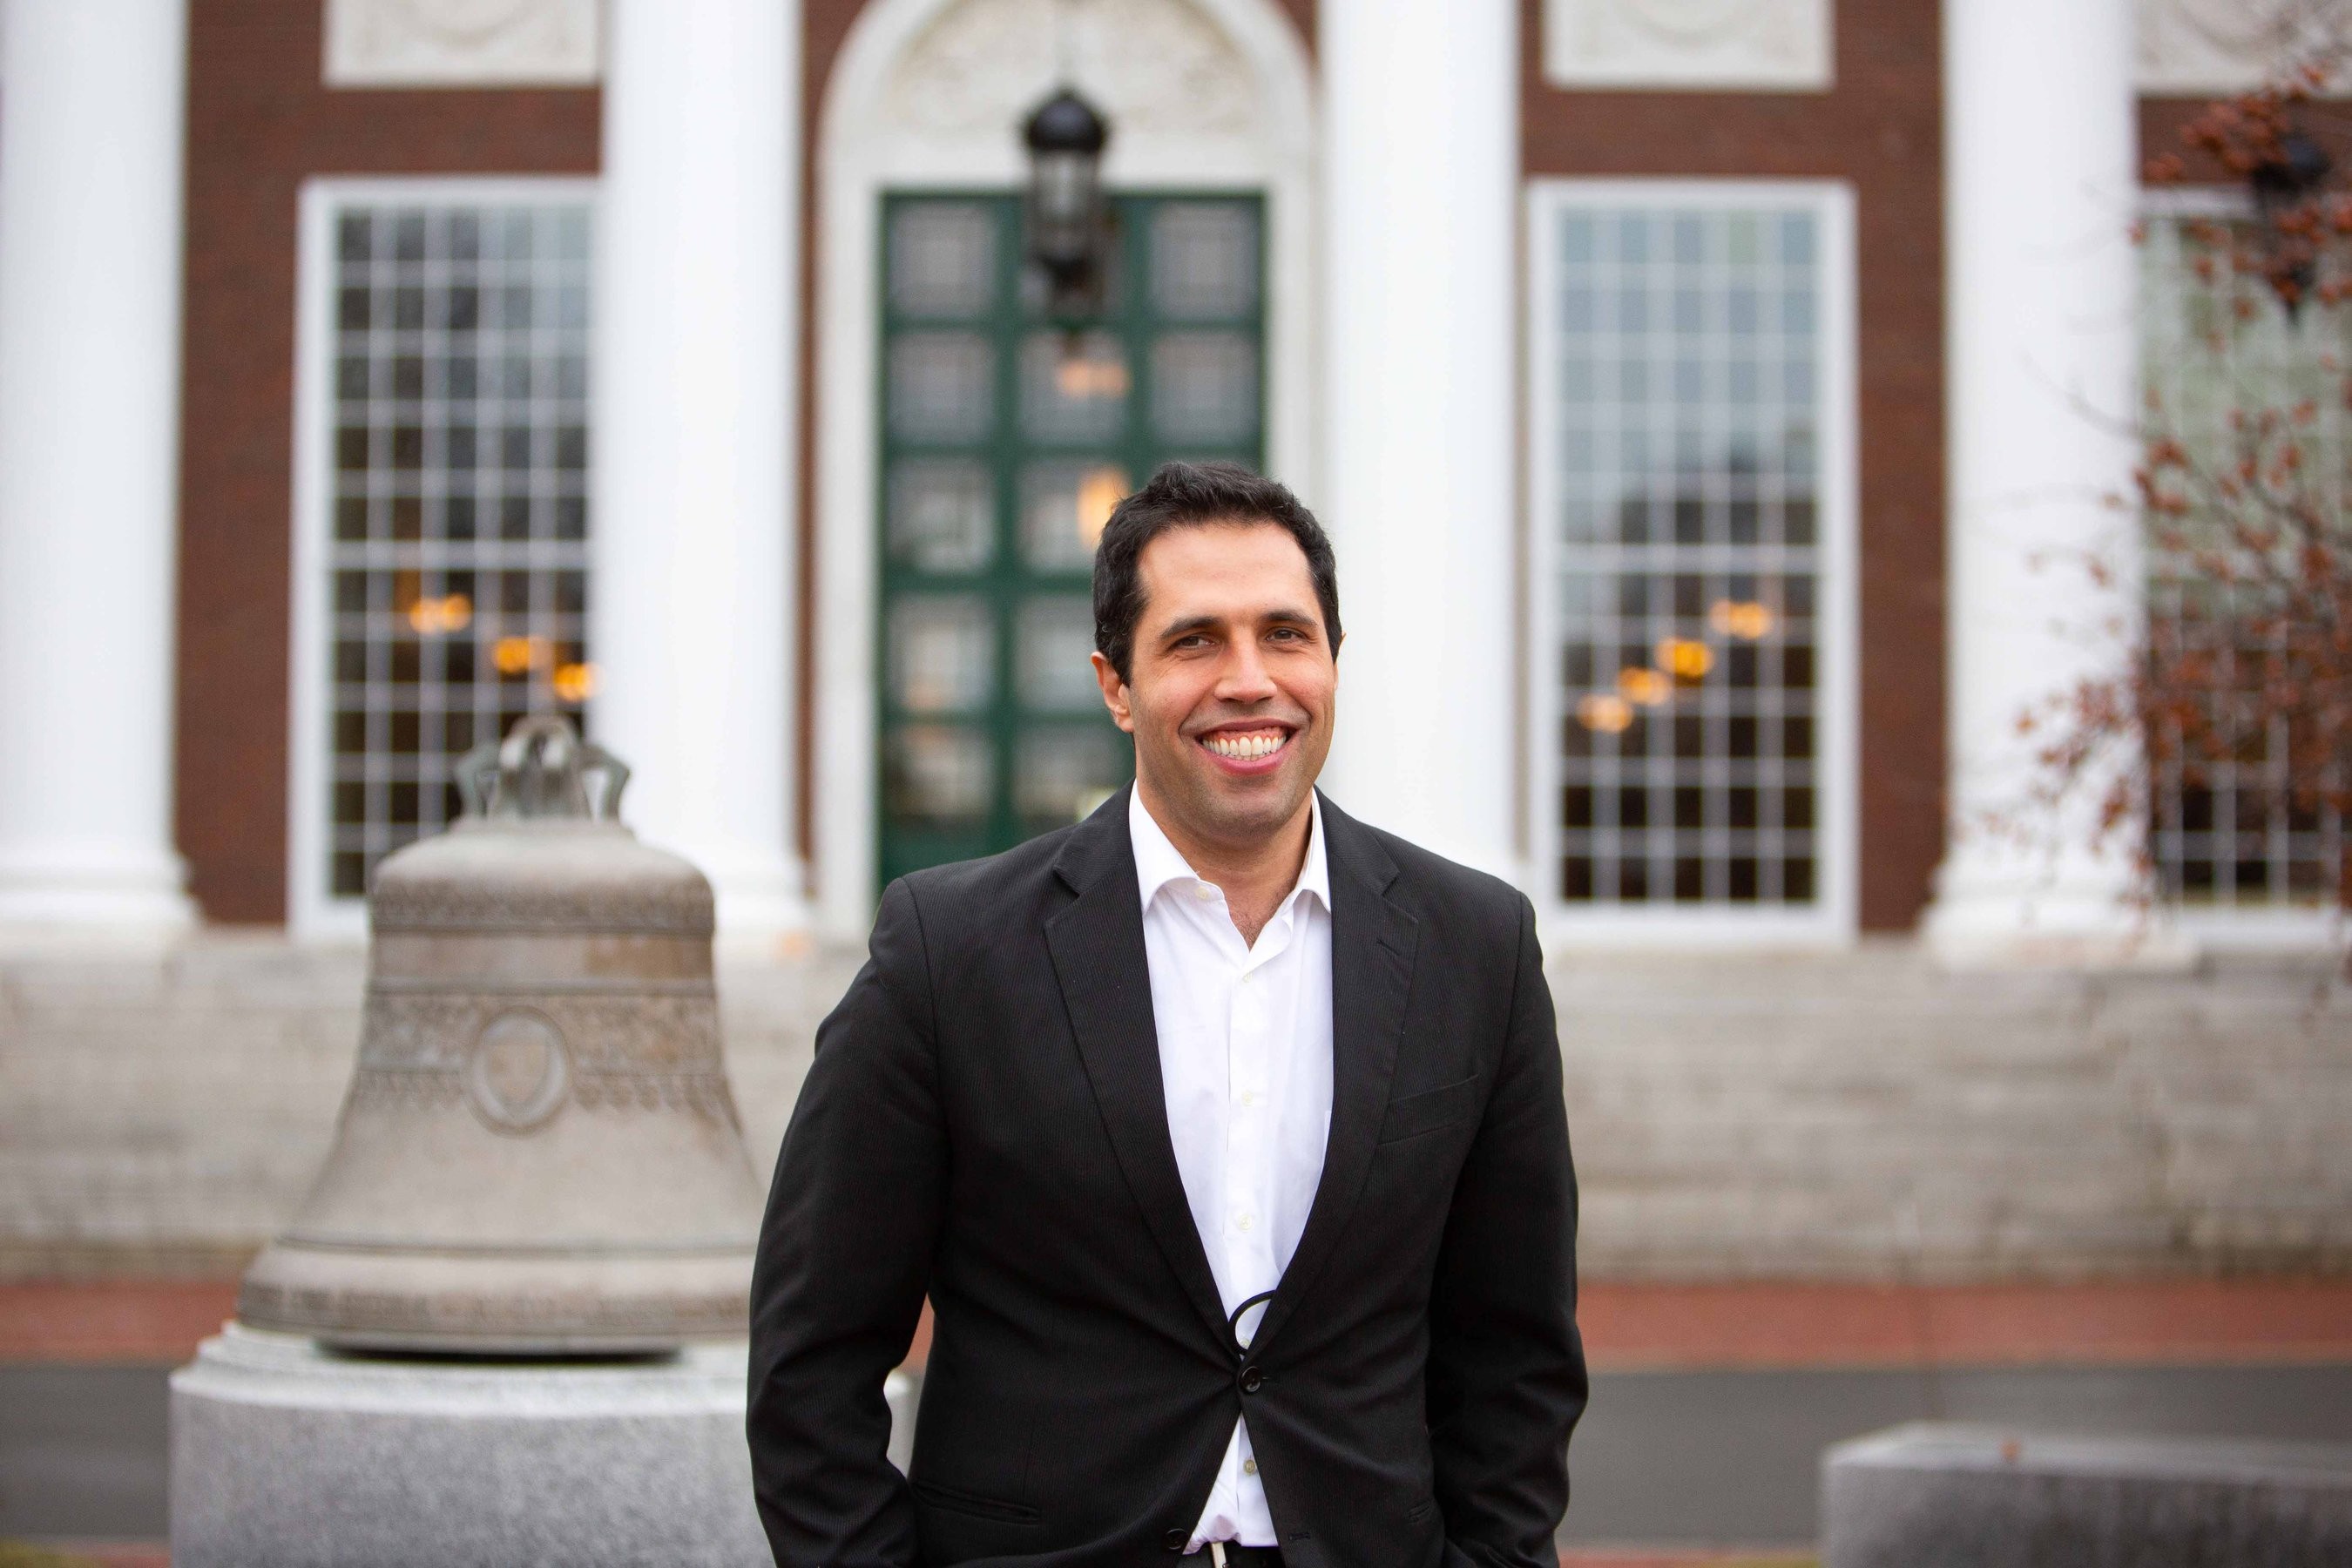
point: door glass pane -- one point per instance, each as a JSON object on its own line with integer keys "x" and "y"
{"x": 942, "y": 258}
{"x": 936, "y": 776}
{"x": 1066, "y": 772}
{"x": 945, "y": 654}
{"x": 942, "y": 514}
{"x": 1057, "y": 640}
{"x": 1073, "y": 388}
{"x": 1204, "y": 387}
{"x": 1064, "y": 506}
{"x": 1204, "y": 261}
{"x": 941, "y": 386}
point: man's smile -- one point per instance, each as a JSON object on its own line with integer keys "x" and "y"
{"x": 1247, "y": 749}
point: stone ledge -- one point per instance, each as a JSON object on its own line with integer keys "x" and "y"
{"x": 285, "y": 1456}
{"x": 1932, "y": 1495}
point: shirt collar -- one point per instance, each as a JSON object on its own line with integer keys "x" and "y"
{"x": 1158, "y": 862}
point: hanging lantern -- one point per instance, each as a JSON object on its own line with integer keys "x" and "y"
{"x": 1069, "y": 220}
{"x": 2280, "y": 187}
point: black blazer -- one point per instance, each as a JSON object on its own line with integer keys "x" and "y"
{"x": 984, "y": 1122}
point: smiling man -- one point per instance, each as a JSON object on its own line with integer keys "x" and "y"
{"x": 1223, "y": 1132}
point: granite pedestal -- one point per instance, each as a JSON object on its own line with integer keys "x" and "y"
{"x": 1940, "y": 1496}
{"x": 287, "y": 1455}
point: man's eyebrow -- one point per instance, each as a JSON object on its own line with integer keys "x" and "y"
{"x": 1190, "y": 624}
{"x": 1282, "y": 614}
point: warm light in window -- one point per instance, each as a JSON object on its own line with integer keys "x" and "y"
{"x": 1685, "y": 659}
{"x": 431, "y": 617}
{"x": 515, "y": 655}
{"x": 1605, "y": 713}
{"x": 1646, "y": 686}
{"x": 1080, "y": 377}
{"x": 1740, "y": 619}
{"x": 1098, "y": 492}
{"x": 575, "y": 682}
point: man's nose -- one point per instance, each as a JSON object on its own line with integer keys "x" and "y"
{"x": 1244, "y": 677}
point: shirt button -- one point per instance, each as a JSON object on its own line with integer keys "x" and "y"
{"x": 1177, "y": 1540}
{"x": 1241, "y": 1222}
{"x": 1249, "y": 1096}
{"x": 1249, "y": 1467}
{"x": 1203, "y": 891}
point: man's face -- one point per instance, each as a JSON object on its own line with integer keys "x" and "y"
{"x": 1229, "y": 694}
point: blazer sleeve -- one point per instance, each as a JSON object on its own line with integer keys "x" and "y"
{"x": 1505, "y": 1377}
{"x": 843, "y": 1261}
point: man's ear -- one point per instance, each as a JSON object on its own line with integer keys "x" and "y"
{"x": 1114, "y": 693}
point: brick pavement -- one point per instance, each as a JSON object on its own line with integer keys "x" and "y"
{"x": 1629, "y": 1327}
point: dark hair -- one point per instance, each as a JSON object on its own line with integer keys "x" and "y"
{"x": 1197, "y": 495}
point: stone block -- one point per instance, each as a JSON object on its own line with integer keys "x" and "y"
{"x": 285, "y": 1456}
{"x": 1933, "y": 1495}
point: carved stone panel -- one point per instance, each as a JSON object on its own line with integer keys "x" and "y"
{"x": 461, "y": 43}
{"x": 1740, "y": 44}
{"x": 2192, "y": 46}
{"x": 1155, "y": 66}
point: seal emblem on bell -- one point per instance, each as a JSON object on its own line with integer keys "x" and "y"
{"x": 517, "y": 1074}
{"x": 539, "y": 1153}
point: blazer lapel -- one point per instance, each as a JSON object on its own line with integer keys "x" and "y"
{"x": 1372, "y": 947}
{"x": 1098, "y": 956}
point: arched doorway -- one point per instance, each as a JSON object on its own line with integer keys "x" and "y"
{"x": 1211, "y": 102}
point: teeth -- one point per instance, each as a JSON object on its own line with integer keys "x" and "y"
{"x": 1245, "y": 748}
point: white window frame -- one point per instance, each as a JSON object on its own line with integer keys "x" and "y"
{"x": 313, "y": 911}
{"x": 1666, "y": 925}
{"x": 2314, "y": 928}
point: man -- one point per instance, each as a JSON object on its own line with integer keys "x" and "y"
{"x": 1223, "y": 1132}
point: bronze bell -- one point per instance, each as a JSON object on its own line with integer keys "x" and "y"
{"x": 539, "y": 1153}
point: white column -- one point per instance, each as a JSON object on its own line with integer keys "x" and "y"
{"x": 92, "y": 102}
{"x": 2040, "y": 192}
{"x": 1420, "y": 170}
{"x": 692, "y": 596}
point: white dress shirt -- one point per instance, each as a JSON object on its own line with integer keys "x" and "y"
{"x": 1245, "y": 1060}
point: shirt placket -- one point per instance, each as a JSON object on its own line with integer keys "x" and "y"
{"x": 1250, "y": 1068}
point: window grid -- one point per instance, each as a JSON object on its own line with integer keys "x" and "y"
{"x": 1688, "y": 567}
{"x": 457, "y": 549}
{"x": 2232, "y": 836}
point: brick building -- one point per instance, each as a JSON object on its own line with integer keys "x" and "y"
{"x": 1698, "y": 392}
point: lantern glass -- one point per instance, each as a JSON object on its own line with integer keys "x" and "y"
{"x": 1065, "y": 215}
{"x": 1067, "y": 221}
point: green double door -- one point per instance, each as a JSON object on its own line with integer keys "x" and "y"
{"x": 1009, "y": 431}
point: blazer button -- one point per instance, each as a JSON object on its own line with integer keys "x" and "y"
{"x": 1251, "y": 1379}
{"x": 1177, "y": 1540}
